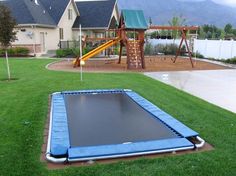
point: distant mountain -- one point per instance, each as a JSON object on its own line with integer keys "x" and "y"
{"x": 196, "y": 12}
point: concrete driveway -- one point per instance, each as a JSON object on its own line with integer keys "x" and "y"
{"x": 217, "y": 87}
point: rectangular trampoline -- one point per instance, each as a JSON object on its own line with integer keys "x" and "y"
{"x": 101, "y": 124}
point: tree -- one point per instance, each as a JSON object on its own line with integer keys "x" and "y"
{"x": 7, "y": 34}
{"x": 150, "y": 21}
{"x": 234, "y": 32}
{"x": 201, "y": 33}
{"x": 228, "y": 28}
{"x": 177, "y": 21}
{"x": 210, "y": 32}
{"x": 222, "y": 35}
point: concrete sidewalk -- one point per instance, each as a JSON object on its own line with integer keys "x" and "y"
{"x": 217, "y": 87}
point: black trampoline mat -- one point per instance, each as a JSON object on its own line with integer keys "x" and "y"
{"x": 103, "y": 119}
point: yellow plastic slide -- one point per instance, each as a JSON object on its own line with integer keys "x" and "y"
{"x": 97, "y": 50}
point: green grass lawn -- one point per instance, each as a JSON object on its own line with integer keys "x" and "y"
{"x": 24, "y": 106}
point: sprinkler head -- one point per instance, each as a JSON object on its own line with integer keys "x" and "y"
{"x": 82, "y": 62}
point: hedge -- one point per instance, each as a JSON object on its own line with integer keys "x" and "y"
{"x": 15, "y": 52}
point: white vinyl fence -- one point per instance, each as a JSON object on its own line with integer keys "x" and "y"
{"x": 218, "y": 49}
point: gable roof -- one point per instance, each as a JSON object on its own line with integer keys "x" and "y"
{"x": 94, "y": 14}
{"x": 48, "y": 12}
{"x": 55, "y": 8}
{"x": 134, "y": 19}
{"x": 19, "y": 11}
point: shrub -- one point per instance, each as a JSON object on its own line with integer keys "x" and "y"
{"x": 149, "y": 50}
{"x": 230, "y": 61}
{"x": 2, "y": 52}
{"x": 16, "y": 51}
{"x": 198, "y": 55}
{"x": 68, "y": 52}
{"x": 159, "y": 49}
{"x": 21, "y": 51}
{"x": 86, "y": 50}
{"x": 11, "y": 52}
{"x": 60, "y": 53}
{"x": 64, "y": 52}
{"x": 166, "y": 49}
{"x": 169, "y": 49}
{"x": 117, "y": 50}
{"x": 76, "y": 52}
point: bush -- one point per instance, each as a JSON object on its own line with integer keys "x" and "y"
{"x": 21, "y": 51}
{"x": 169, "y": 49}
{"x": 73, "y": 52}
{"x": 68, "y": 52}
{"x": 117, "y": 50}
{"x": 230, "y": 61}
{"x": 15, "y": 52}
{"x": 166, "y": 49}
{"x": 86, "y": 50}
{"x": 64, "y": 52}
{"x": 2, "y": 52}
{"x": 76, "y": 52}
{"x": 60, "y": 53}
{"x": 159, "y": 49}
{"x": 149, "y": 50}
{"x": 198, "y": 55}
{"x": 11, "y": 52}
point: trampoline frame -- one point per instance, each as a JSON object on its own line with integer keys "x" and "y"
{"x": 58, "y": 146}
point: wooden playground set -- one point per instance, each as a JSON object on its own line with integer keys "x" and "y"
{"x": 133, "y": 21}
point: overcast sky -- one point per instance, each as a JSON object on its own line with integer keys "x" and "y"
{"x": 227, "y": 2}
{"x": 224, "y": 2}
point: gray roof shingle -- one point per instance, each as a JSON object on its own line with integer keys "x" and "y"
{"x": 39, "y": 13}
{"x": 19, "y": 11}
{"x": 94, "y": 14}
{"x": 48, "y": 12}
{"x": 55, "y": 8}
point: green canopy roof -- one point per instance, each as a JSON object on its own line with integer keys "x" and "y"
{"x": 134, "y": 19}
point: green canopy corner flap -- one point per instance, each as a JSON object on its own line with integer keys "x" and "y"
{"x": 134, "y": 19}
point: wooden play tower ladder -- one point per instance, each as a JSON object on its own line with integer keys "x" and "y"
{"x": 133, "y": 21}
{"x": 134, "y": 55}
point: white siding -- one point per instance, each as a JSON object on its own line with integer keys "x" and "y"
{"x": 31, "y": 36}
{"x": 67, "y": 24}
{"x": 52, "y": 37}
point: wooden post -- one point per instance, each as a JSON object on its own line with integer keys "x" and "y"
{"x": 127, "y": 53}
{"x": 120, "y": 54}
{"x": 178, "y": 51}
{"x": 141, "y": 39}
{"x": 184, "y": 39}
{"x": 142, "y": 54}
{"x": 189, "y": 52}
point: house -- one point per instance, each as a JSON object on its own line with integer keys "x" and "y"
{"x": 44, "y": 24}
{"x": 96, "y": 17}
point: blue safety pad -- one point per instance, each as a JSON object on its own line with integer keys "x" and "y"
{"x": 132, "y": 148}
{"x": 167, "y": 119}
{"x": 59, "y": 134}
{"x": 60, "y": 144}
{"x": 97, "y": 91}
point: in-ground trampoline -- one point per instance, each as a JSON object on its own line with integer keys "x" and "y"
{"x": 103, "y": 124}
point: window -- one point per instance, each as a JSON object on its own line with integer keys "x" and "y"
{"x": 61, "y": 33}
{"x": 70, "y": 14}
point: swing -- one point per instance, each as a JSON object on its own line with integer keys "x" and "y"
{"x": 184, "y": 30}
